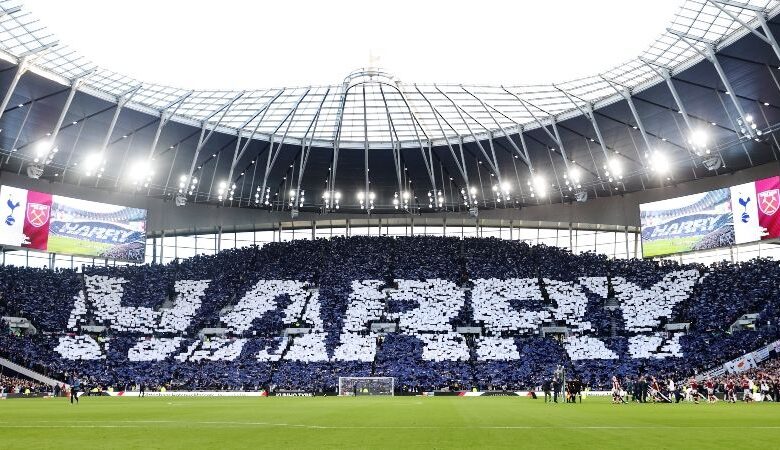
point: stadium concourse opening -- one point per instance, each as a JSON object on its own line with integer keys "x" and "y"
{"x": 593, "y": 257}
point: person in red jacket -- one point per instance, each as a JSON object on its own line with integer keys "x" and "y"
{"x": 710, "y": 385}
{"x": 695, "y": 390}
{"x": 731, "y": 395}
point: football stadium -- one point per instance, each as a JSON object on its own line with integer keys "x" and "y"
{"x": 432, "y": 224}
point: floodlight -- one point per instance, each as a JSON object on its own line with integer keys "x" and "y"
{"x": 658, "y": 162}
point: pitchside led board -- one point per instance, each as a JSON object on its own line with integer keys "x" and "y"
{"x": 720, "y": 218}
{"x": 57, "y": 224}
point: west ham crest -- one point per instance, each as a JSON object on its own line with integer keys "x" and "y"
{"x": 769, "y": 201}
{"x": 37, "y": 214}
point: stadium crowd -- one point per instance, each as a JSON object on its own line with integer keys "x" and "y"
{"x": 10, "y": 384}
{"x": 525, "y": 310}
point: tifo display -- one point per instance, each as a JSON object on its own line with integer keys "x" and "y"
{"x": 428, "y": 313}
{"x": 719, "y": 218}
{"x": 70, "y": 226}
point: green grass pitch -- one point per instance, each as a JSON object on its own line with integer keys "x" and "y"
{"x": 381, "y": 422}
{"x": 661, "y": 247}
{"x": 71, "y": 246}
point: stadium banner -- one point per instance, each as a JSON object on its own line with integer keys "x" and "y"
{"x": 291, "y": 393}
{"x": 189, "y": 394}
{"x": 719, "y": 218}
{"x": 30, "y": 395}
{"x": 69, "y": 226}
{"x": 741, "y": 364}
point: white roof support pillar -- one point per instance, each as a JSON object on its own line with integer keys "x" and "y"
{"x": 21, "y": 68}
{"x": 273, "y": 154}
{"x": 165, "y": 117}
{"x": 459, "y": 163}
{"x": 204, "y": 138}
{"x": 306, "y": 149}
{"x": 709, "y": 54}
{"x": 74, "y": 87}
{"x": 492, "y": 162}
{"x": 237, "y": 154}
{"x": 366, "y": 148}
{"x": 396, "y": 149}
{"x": 120, "y": 103}
{"x": 560, "y": 143}
{"x": 626, "y": 94}
{"x": 522, "y": 154}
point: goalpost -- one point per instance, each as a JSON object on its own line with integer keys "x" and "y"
{"x": 352, "y": 386}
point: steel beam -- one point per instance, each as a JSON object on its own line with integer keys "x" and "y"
{"x": 626, "y": 94}
{"x": 204, "y": 138}
{"x": 238, "y": 154}
{"x": 492, "y": 162}
{"x": 71, "y": 93}
{"x": 272, "y": 155}
{"x": 120, "y": 103}
{"x": 416, "y": 123}
{"x": 709, "y": 54}
{"x": 591, "y": 116}
{"x": 21, "y": 68}
{"x": 560, "y": 143}
{"x": 767, "y": 37}
{"x": 165, "y": 117}
{"x": 366, "y": 147}
{"x": 460, "y": 164}
{"x": 306, "y": 149}
{"x": 394, "y": 141}
{"x": 667, "y": 76}
{"x": 522, "y": 154}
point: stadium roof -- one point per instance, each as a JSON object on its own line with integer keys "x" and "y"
{"x": 605, "y": 130}
{"x": 370, "y": 104}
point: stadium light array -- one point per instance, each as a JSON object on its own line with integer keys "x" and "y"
{"x": 699, "y": 141}
{"x": 94, "y": 164}
{"x": 44, "y": 152}
{"x": 141, "y": 173}
{"x": 331, "y": 200}
{"x": 401, "y": 200}
{"x": 538, "y": 186}
{"x": 469, "y": 196}
{"x": 225, "y": 190}
{"x": 502, "y": 189}
{"x": 362, "y": 197}
{"x": 184, "y": 186}
{"x": 572, "y": 178}
{"x": 265, "y": 199}
{"x": 659, "y": 163}
{"x": 295, "y": 197}
{"x": 435, "y": 199}
{"x": 748, "y": 127}
{"x": 613, "y": 170}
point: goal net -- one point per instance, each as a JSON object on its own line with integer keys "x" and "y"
{"x": 366, "y": 386}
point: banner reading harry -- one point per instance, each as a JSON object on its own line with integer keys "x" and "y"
{"x": 694, "y": 222}
{"x": 744, "y": 213}
{"x": 71, "y": 226}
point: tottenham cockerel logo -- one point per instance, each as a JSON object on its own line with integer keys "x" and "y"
{"x": 769, "y": 201}
{"x": 37, "y": 214}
